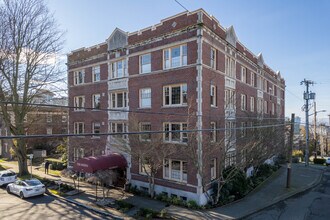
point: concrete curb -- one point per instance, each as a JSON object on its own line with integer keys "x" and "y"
{"x": 286, "y": 196}
{"x": 86, "y": 206}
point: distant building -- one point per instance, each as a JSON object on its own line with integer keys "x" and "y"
{"x": 187, "y": 64}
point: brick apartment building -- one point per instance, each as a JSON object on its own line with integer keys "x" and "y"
{"x": 187, "y": 72}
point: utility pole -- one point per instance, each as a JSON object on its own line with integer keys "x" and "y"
{"x": 307, "y": 97}
{"x": 288, "y": 179}
{"x": 315, "y": 150}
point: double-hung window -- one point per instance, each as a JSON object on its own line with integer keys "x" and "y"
{"x": 230, "y": 99}
{"x": 145, "y": 166}
{"x": 213, "y": 132}
{"x": 252, "y": 104}
{"x": 145, "y": 98}
{"x": 213, "y": 166}
{"x": 213, "y": 95}
{"x": 119, "y": 127}
{"x": 145, "y": 63}
{"x": 79, "y": 77}
{"x": 96, "y": 128}
{"x": 243, "y": 129}
{"x": 213, "y": 57}
{"x": 145, "y": 126}
{"x": 118, "y": 69}
{"x": 175, "y": 95}
{"x": 175, "y": 57}
{"x": 175, "y": 170}
{"x": 265, "y": 107}
{"x": 230, "y": 67}
{"x": 79, "y": 103}
{"x": 79, "y": 127}
{"x": 175, "y": 132}
{"x": 252, "y": 79}
{"x": 243, "y": 74}
{"x": 118, "y": 100}
{"x": 96, "y": 73}
{"x": 96, "y": 101}
{"x": 243, "y": 102}
{"x": 49, "y": 117}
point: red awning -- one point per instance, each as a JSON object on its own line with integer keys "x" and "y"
{"x": 93, "y": 164}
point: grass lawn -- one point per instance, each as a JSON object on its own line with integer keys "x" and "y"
{"x": 29, "y": 177}
{"x": 52, "y": 172}
{"x": 3, "y": 167}
{"x": 3, "y": 160}
{"x": 56, "y": 192}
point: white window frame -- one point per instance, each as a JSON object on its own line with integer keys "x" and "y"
{"x": 213, "y": 169}
{"x": 243, "y": 102}
{"x": 230, "y": 69}
{"x": 252, "y": 79}
{"x": 243, "y": 129}
{"x": 183, "y": 101}
{"x": 96, "y": 129}
{"x": 79, "y": 127}
{"x": 145, "y": 137}
{"x": 96, "y": 70}
{"x": 265, "y": 107}
{"x": 213, "y": 58}
{"x": 114, "y": 99}
{"x": 143, "y": 96}
{"x": 79, "y": 106}
{"x": 273, "y": 108}
{"x": 230, "y": 158}
{"x": 183, "y": 173}
{"x": 213, "y": 94}
{"x": 230, "y": 99}
{"x": 144, "y": 168}
{"x": 168, "y": 136}
{"x": 49, "y": 131}
{"x": 96, "y": 99}
{"x": 168, "y": 60}
{"x": 243, "y": 74}
{"x": 147, "y": 65}
{"x": 114, "y": 69}
{"x": 64, "y": 118}
{"x": 260, "y": 105}
{"x": 49, "y": 117}
{"x": 213, "y": 132}
{"x": 79, "y": 77}
{"x": 252, "y": 104}
{"x": 114, "y": 128}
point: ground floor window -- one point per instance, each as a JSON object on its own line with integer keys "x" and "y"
{"x": 230, "y": 158}
{"x": 175, "y": 170}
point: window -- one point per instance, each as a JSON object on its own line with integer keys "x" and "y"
{"x": 213, "y": 95}
{"x": 96, "y": 101}
{"x": 265, "y": 86}
{"x": 145, "y": 98}
{"x": 230, "y": 99}
{"x": 230, "y": 132}
{"x": 119, "y": 100}
{"x": 49, "y": 117}
{"x": 259, "y": 105}
{"x": 78, "y": 153}
{"x": 252, "y": 82}
{"x": 118, "y": 69}
{"x": 243, "y": 102}
{"x": 252, "y": 104}
{"x": 213, "y": 169}
{"x": 96, "y": 128}
{"x": 243, "y": 74}
{"x": 273, "y": 108}
{"x": 119, "y": 127}
{"x": 175, "y": 57}
{"x": 174, "y": 132}
{"x": 213, "y": 132}
{"x": 49, "y": 131}
{"x": 79, "y": 77}
{"x": 96, "y": 73}
{"x": 243, "y": 129}
{"x": 144, "y": 166}
{"x": 259, "y": 82}
{"x": 266, "y": 107}
{"x": 79, "y": 103}
{"x": 175, "y": 170}
{"x": 230, "y": 158}
{"x": 144, "y": 126}
{"x": 213, "y": 58}
{"x": 175, "y": 95}
{"x": 64, "y": 118}
{"x": 230, "y": 67}
{"x": 145, "y": 62}
{"x": 79, "y": 127}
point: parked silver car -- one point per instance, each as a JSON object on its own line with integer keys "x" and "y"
{"x": 7, "y": 176}
{"x": 26, "y": 188}
{"x": 327, "y": 162}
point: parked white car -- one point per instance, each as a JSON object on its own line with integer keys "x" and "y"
{"x": 26, "y": 188}
{"x": 7, "y": 176}
{"x": 327, "y": 162}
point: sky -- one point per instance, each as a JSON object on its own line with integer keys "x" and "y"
{"x": 293, "y": 36}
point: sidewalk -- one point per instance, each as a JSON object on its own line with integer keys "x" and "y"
{"x": 269, "y": 193}
{"x": 87, "y": 198}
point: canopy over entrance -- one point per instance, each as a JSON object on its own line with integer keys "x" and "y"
{"x": 93, "y": 164}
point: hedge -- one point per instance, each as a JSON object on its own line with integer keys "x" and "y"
{"x": 319, "y": 160}
{"x": 56, "y": 164}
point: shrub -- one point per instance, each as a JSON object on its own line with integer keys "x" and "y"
{"x": 177, "y": 201}
{"x": 147, "y": 213}
{"x": 124, "y": 206}
{"x": 319, "y": 160}
{"x": 297, "y": 153}
{"x": 192, "y": 204}
{"x": 56, "y": 164}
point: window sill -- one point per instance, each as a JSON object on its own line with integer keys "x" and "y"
{"x": 214, "y": 106}
{"x": 144, "y": 108}
{"x": 175, "y": 106}
{"x": 175, "y": 142}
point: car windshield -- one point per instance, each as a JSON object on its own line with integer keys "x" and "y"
{"x": 32, "y": 182}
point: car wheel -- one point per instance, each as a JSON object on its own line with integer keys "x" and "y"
{"x": 8, "y": 190}
{"x": 21, "y": 195}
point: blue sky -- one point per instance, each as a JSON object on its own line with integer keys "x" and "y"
{"x": 292, "y": 35}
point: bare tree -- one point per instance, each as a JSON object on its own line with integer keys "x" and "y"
{"x": 30, "y": 41}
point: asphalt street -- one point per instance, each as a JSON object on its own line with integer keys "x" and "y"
{"x": 313, "y": 204}
{"x": 40, "y": 207}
